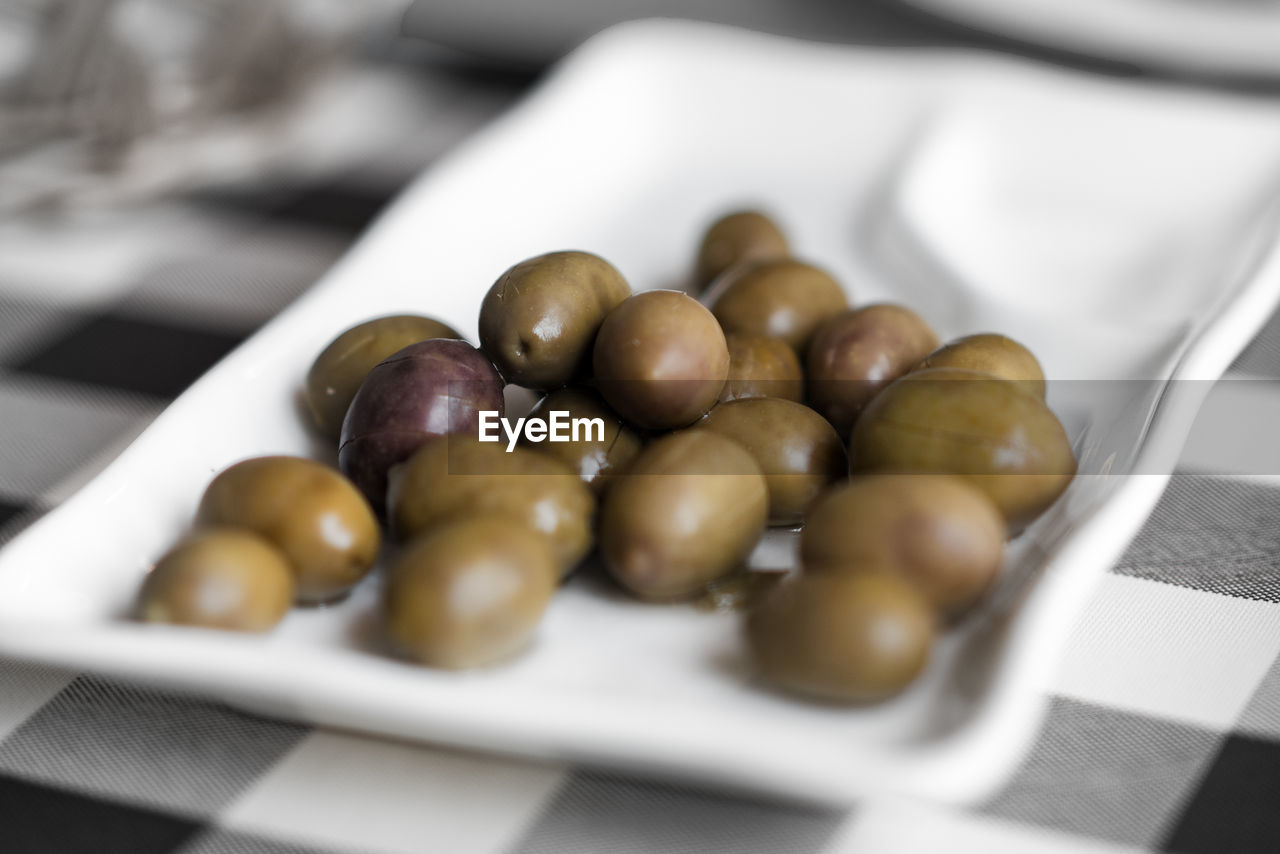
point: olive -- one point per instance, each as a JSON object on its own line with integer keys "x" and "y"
{"x": 737, "y": 237}
{"x": 798, "y": 451}
{"x": 689, "y": 510}
{"x": 312, "y": 514}
{"x": 219, "y": 579}
{"x": 597, "y": 455}
{"x": 939, "y": 532}
{"x": 784, "y": 299}
{"x": 949, "y": 421}
{"x": 991, "y": 354}
{"x": 340, "y": 368}
{"x": 661, "y": 360}
{"x": 859, "y": 352}
{"x": 762, "y": 367}
{"x": 426, "y": 390}
{"x": 469, "y": 593}
{"x": 459, "y": 476}
{"x": 538, "y": 320}
{"x": 854, "y": 637}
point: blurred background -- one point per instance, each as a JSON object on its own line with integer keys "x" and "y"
{"x": 175, "y": 172}
{"x": 111, "y": 101}
{"x": 313, "y": 113}
{"x": 139, "y": 139}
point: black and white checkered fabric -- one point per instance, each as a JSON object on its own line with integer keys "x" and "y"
{"x": 1164, "y": 728}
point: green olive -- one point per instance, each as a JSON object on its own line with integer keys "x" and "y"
{"x": 457, "y": 475}
{"x": 855, "y": 637}
{"x": 784, "y": 299}
{"x": 859, "y": 352}
{"x": 734, "y": 238}
{"x": 597, "y": 455}
{"x": 991, "y": 354}
{"x": 661, "y": 360}
{"x": 315, "y": 516}
{"x": 689, "y": 510}
{"x": 941, "y": 533}
{"x": 468, "y": 593}
{"x": 798, "y": 451}
{"x": 539, "y": 319}
{"x": 221, "y": 578}
{"x": 762, "y": 367}
{"x": 341, "y": 367}
{"x": 948, "y": 421}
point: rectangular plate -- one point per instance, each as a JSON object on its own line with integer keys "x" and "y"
{"x": 1121, "y": 232}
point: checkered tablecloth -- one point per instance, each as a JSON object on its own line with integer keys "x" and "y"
{"x": 1164, "y": 725}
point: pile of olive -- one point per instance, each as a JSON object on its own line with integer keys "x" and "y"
{"x": 769, "y": 401}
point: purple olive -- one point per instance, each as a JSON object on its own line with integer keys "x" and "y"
{"x": 426, "y": 390}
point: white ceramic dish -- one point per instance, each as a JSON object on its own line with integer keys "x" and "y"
{"x": 1199, "y": 36}
{"x": 1121, "y": 233}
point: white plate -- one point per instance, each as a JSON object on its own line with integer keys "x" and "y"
{"x": 1121, "y": 233}
{"x": 1235, "y": 37}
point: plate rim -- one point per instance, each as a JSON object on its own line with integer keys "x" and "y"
{"x": 1079, "y": 26}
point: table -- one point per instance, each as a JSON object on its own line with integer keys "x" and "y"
{"x": 1163, "y": 731}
